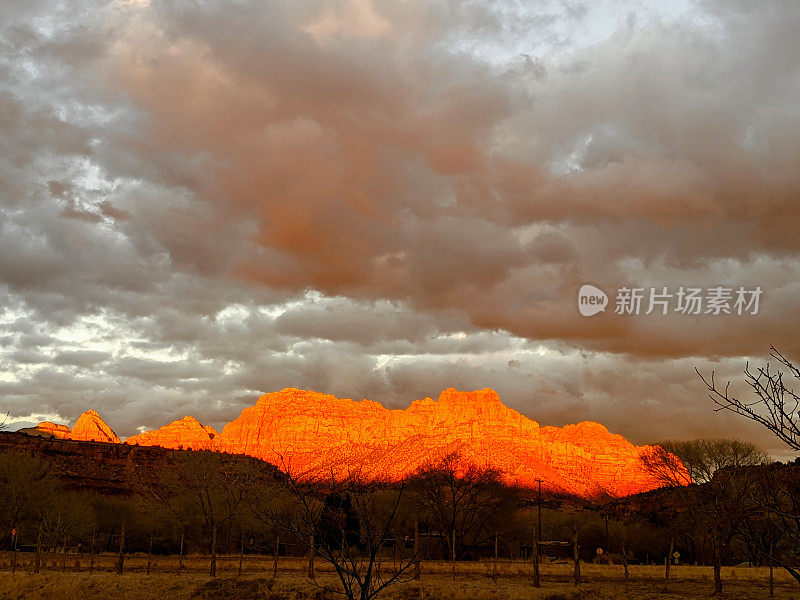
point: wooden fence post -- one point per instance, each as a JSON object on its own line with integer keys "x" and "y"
{"x": 38, "y": 562}
{"x": 91, "y": 555}
{"x": 625, "y": 562}
{"x": 14, "y": 545}
{"x": 494, "y": 566}
{"x": 668, "y": 562}
{"x": 180, "y": 555}
{"x": 150, "y": 552}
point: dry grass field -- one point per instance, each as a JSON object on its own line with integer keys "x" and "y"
{"x": 72, "y": 580}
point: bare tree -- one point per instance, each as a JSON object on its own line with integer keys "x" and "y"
{"x": 349, "y": 523}
{"x": 775, "y": 493}
{"x": 775, "y": 406}
{"x": 723, "y": 508}
{"x": 462, "y": 500}
{"x": 207, "y": 486}
{"x": 25, "y": 484}
{"x": 665, "y": 466}
{"x": 65, "y": 520}
{"x": 681, "y": 462}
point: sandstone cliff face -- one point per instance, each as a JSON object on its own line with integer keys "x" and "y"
{"x": 47, "y": 429}
{"x": 91, "y": 428}
{"x": 186, "y": 433}
{"x": 104, "y": 468}
{"x": 311, "y": 433}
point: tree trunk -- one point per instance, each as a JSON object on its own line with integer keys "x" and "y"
{"x": 275, "y": 558}
{"x": 241, "y": 554}
{"x": 213, "y": 570}
{"x": 417, "y": 565}
{"x": 453, "y": 554}
{"x": 717, "y": 570}
{"x": 771, "y": 575}
{"x": 311, "y": 558}
{"x": 121, "y": 557}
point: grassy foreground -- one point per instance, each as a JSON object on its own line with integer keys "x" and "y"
{"x": 474, "y": 581}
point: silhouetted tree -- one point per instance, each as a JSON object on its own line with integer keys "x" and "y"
{"x": 457, "y": 495}
{"x": 665, "y": 466}
{"x": 348, "y": 523}
{"x": 775, "y": 406}
{"x": 25, "y": 484}
{"x": 721, "y": 508}
{"x": 207, "y": 486}
{"x": 681, "y": 462}
{"x": 65, "y": 519}
{"x": 775, "y": 492}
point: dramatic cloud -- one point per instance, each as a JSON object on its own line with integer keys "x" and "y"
{"x": 201, "y": 202}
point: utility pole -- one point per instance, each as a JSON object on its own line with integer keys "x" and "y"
{"x": 539, "y": 511}
{"x": 417, "y": 566}
{"x": 536, "y": 580}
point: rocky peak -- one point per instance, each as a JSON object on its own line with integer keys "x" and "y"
{"x": 187, "y": 433}
{"x": 91, "y": 428}
{"x": 478, "y": 398}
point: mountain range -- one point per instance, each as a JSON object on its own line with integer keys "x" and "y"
{"x": 315, "y": 434}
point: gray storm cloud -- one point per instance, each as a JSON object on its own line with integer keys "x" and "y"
{"x": 200, "y": 202}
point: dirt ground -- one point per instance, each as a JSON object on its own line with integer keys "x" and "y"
{"x": 71, "y": 579}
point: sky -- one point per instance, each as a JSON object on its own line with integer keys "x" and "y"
{"x": 201, "y": 202}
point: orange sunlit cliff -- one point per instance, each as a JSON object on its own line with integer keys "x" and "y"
{"x": 311, "y": 432}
